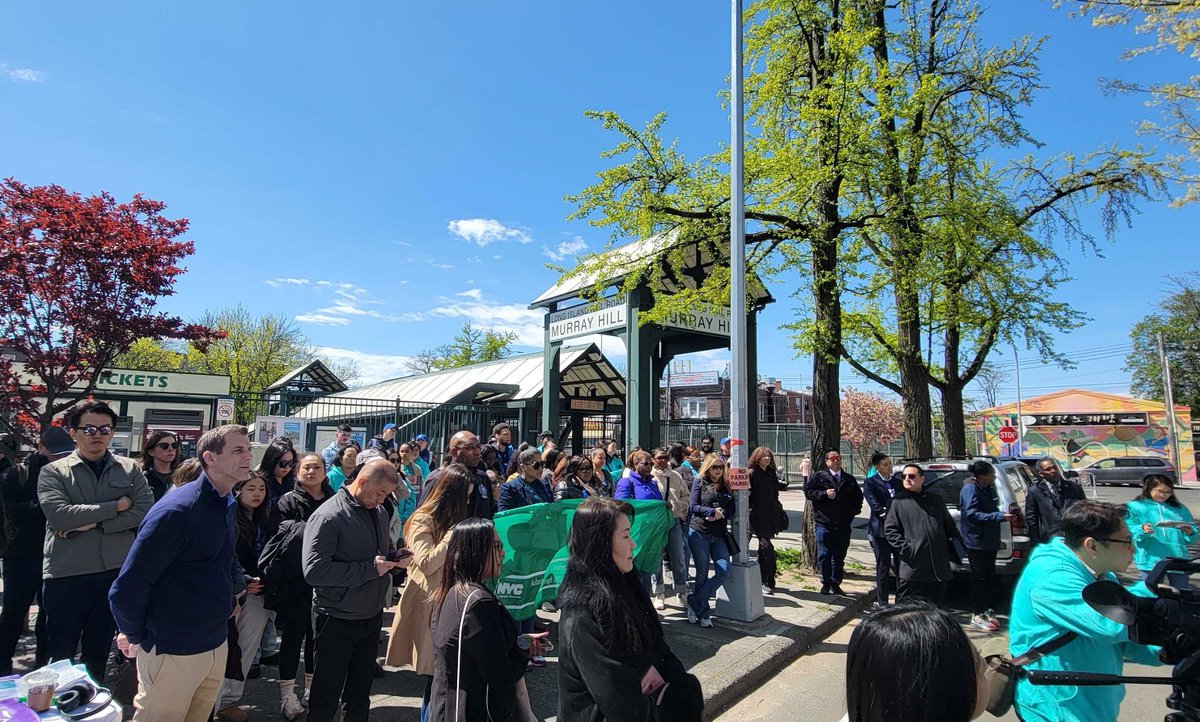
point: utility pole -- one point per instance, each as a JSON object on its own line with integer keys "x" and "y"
{"x": 1169, "y": 400}
{"x": 1020, "y": 418}
{"x": 743, "y": 599}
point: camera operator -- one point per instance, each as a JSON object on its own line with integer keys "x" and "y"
{"x": 1048, "y": 603}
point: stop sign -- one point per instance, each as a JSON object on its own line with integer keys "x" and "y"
{"x": 1007, "y": 435}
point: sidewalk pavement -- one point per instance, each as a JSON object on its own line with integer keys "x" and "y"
{"x": 730, "y": 659}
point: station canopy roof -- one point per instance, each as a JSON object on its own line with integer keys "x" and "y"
{"x": 313, "y": 377}
{"x": 517, "y": 378}
{"x": 699, "y": 259}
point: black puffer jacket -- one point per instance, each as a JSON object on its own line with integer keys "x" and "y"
{"x": 281, "y": 563}
{"x": 919, "y": 528}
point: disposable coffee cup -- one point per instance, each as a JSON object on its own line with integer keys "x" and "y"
{"x": 41, "y": 690}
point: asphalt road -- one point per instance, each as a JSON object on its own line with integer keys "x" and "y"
{"x": 818, "y": 677}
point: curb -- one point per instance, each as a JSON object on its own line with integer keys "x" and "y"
{"x": 773, "y": 655}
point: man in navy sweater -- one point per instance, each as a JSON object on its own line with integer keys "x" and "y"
{"x": 176, "y": 590}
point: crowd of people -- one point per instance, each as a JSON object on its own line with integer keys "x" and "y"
{"x": 295, "y": 560}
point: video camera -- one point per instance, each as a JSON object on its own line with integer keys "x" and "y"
{"x": 1170, "y": 620}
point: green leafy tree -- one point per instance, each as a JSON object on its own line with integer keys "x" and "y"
{"x": 470, "y": 345}
{"x": 1178, "y": 319}
{"x": 1172, "y": 25}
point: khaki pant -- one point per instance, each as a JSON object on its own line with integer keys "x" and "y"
{"x": 178, "y": 687}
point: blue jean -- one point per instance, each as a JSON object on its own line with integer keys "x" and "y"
{"x": 707, "y": 547}
{"x": 832, "y": 545}
{"x": 677, "y": 553}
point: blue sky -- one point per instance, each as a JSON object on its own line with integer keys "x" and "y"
{"x": 385, "y": 171}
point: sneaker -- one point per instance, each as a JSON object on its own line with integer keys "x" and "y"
{"x": 706, "y": 623}
{"x": 991, "y": 617}
{"x": 539, "y": 661}
{"x": 978, "y": 621}
{"x": 692, "y": 614}
{"x": 768, "y": 591}
{"x": 549, "y": 607}
{"x": 304, "y": 699}
{"x": 290, "y": 707}
{"x": 660, "y": 603}
{"x": 233, "y": 713}
{"x": 876, "y": 607}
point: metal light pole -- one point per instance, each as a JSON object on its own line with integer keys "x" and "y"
{"x": 741, "y": 596}
{"x": 1169, "y": 399}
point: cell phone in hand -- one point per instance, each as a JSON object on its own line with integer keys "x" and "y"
{"x": 525, "y": 641}
{"x": 402, "y": 553}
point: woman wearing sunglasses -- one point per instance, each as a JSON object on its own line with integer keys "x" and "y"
{"x": 708, "y": 536}
{"x": 159, "y": 461}
{"x": 278, "y": 469}
{"x": 525, "y": 489}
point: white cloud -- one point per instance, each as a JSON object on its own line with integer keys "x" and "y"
{"x": 565, "y": 248}
{"x": 443, "y": 266}
{"x": 323, "y": 319}
{"x": 474, "y": 293}
{"x": 527, "y": 323}
{"x": 374, "y": 367}
{"x": 24, "y": 75}
{"x": 482, "y": 231}
{"x": 280, "y": 282}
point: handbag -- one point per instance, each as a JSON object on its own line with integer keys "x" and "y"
{"x": 734, "y": 547}
{"x": 1002, "y": 673}
{"x": 784, "y": 520}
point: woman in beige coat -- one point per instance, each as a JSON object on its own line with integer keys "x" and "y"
{"x": 428, "y": 535}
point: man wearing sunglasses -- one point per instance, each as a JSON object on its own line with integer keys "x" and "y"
{"x": 93, "y": 502}
{"x": 1048, "y": 605}
{"x": 836, "y": 500}
{"x": 919, "y": 527}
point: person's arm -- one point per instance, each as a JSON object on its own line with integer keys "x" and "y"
{"x": 893, "y": 530}
{"x": 1032, "y": 521}
{"x": 856, "y": 494}
{"x": 873, "y": 492}
{"x": 508, "y": 498}
{"x": 154, "y": 550}
{"x": 624, "y": 489}
{"x": 814, "y": 490}
{"x": 498, "y": 663}
{"x": 61, "y": 514}
{"x": 969, "y": 503}
{"x": 613, "y": 684}
{"x": 427, "y": 554}
{"x": 143, "y": 499}
{"x": 694, "y": 500}
{"x": 320, "y": 569}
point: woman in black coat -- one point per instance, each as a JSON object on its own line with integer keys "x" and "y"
{"x": 765, "y": 512}
{"x": 615, "y": 662}
{"x": 479, "y": 658}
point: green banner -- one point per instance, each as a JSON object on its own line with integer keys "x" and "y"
{"x": 535, "y": 549}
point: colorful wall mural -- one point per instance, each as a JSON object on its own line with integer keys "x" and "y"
{"x": 1080, "y": 427}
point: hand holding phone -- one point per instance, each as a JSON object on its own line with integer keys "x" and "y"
{"x": 403, "y": 557}
{"x": 534, "y": 644}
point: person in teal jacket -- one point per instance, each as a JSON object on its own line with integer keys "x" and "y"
{"x": 1153, "y": 543}
{"x": 1048, "y": 603}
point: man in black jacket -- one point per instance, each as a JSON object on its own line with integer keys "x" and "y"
{"x": 836, "y": 500}
{"x": 919, "y": 528}
{"x": 466, "y": 450}
{"x": 23, "y": 557}
{"x": 347, "y": 554}
{"x": 1047, "y": 500}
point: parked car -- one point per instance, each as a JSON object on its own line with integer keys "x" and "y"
{"x": 1133, "y": 470}
{"x": 945, "y": 477}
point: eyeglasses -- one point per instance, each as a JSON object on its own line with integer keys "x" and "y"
{"x": 164, "y": 445}
{"x": 90, "y": 430}
{"x": 910, "y": 476}
{"x": 285, "y": 464}
{"x": 833, "y": 457}
{"x": 1115, "y": 541}
{"x": 718, "y": 467}
{"x": 537, "y": 465}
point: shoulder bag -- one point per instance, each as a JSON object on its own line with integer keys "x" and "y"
{"x": 1002, "y": 673}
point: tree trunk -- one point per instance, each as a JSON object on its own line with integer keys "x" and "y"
{"x": 810, "y": 539}
{"x": 954, "y": 419}
{"x": 914, "y": 387}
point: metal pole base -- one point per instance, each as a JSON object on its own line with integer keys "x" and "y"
{"x": 740, "y": 597}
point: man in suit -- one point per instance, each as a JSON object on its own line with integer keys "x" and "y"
{"x": 1047, "y": 500}
{"x": 836, "y": 500}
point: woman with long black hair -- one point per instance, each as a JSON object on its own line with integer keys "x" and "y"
{"x": 160, "y": 458}
{"x": 252, "y": 531}
{"x": 278, "y": 468}
{"x": 478, "y": 662}
{"x": 286, "y": 591}
{"x": 614, "y": 662}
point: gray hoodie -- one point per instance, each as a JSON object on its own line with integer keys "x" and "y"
{"x": 341, "y": 540}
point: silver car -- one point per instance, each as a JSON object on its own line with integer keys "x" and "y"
{"x": 1134, "y": 470}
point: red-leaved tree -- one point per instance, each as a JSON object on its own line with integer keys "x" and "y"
{"x": 79, "y": 279}
{"x": 869, "y": 421}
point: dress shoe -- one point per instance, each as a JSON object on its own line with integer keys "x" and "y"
{"x": 826, "y": 589}
{"x": 837, "y": 589}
